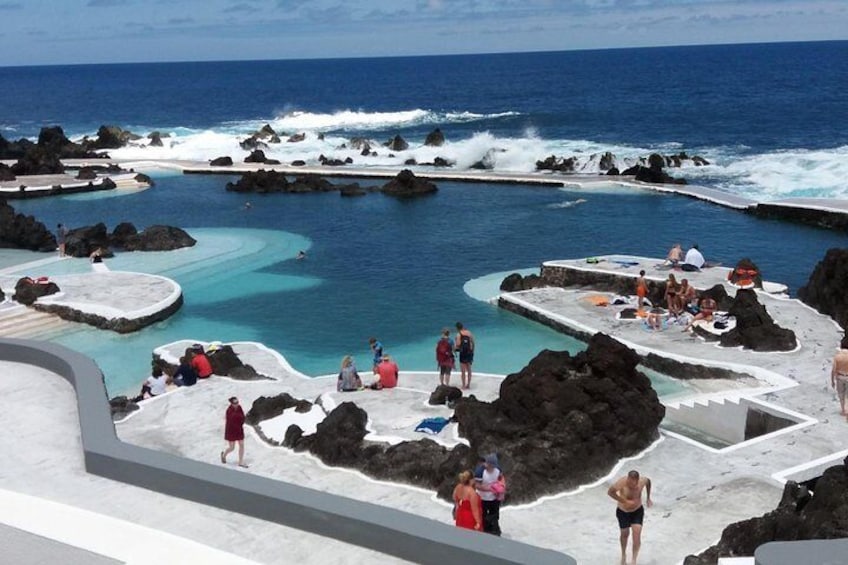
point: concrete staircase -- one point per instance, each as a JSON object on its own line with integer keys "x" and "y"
{"x": 23, "y": 322}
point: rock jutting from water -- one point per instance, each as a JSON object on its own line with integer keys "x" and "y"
{"x": 265, "y": 182}
{"x": 81, "y": 242}
{"x": 18, "y": 231}
{"x": 560, "y": 422}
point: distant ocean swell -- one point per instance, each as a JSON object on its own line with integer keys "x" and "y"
{"x": 790, "y": 172}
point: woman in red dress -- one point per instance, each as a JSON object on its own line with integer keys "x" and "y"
{"x": 234, "y": 431}
{"x": 468, "y": 509}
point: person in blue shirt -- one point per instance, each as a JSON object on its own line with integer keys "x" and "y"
{"x": 377, "y": 350}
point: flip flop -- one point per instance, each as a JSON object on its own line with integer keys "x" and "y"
{"x": 243, "y": 465}
{"x": 223, "y": 458}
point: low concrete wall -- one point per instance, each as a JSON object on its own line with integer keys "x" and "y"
{"x": 368, "y": 525}
{"x": 811, "y": 552}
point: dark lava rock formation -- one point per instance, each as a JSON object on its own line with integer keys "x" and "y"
{"x": 515, "y": 282}
{"x": 80, "y": 242}
{"x": 27, "y": 290}
{"x": 121, "y": 407}
{"x": 560, "y": 422}
{"x": 406, "y": 184}
{"x": 435, "y": 138}
{"x": 397, "y": 143}
{"x": 111, "y": 137}
{"x": 800, "y": 515}
{"x": 827, "y": 288}
{"x": 225, "y": 362}
{"x": 654, "y": 172}
{"x": 23, "y": 232}
{"x": 225, "y": 161}
{"x": 264, "y": 182}
{"x": 755, "y": 329}
{"x": 746, "y": 273}
{"x": 444, "y": 394}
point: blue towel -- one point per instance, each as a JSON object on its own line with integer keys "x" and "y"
{"x": 432, "y": 426}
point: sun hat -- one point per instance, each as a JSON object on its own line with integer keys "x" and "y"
{"x": 492, "y": 459}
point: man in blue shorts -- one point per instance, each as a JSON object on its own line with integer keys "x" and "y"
{"x": 627, "y": 492}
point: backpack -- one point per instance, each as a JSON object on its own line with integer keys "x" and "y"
{"x": 464, "y": 344}
{"x": 444, "y": 350}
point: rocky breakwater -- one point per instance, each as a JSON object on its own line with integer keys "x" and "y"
{"x": 560, "y": 422}
{"x": 647, "y": 169}
{"x": 405, "y": 184}
{"x": 827, "y": 288}
{"x": 80, "y": 242}
{"x": 18, "y": 231}
{"x": 814, "y": 513}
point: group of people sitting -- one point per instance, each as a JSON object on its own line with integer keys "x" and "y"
{"x": 692, "y": 261}
{"x": 681, "y": 299}
{"x": 385, "y": 372}
{"x": 194, "y": 365}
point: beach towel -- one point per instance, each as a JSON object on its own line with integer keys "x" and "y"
{"x": 597, "y": 299}
{"x": 624, "y": 263}
{"x": 432, "y": 426}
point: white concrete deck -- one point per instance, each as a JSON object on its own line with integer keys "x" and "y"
{"x": 46, "y": 491}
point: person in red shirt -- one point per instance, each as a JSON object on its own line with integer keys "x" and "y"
{"x": 387, "y": 372}
{"x": 200, "y": 363}
{"x": 234, "y": 431}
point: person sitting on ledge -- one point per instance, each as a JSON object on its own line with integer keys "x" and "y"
{"x": 96, "y": 255}
{"x": 185, "y": 375}
{"x": 686, "y": 296}
{"x": 675, "y": 255}
{"x": 655, "y": 319}
{"x": 349, "y": 380}
{"x": 154, "y": 385}
{"x": 694, "y": 260}
{"x": 387, "y": 374}
{"x": 706, "y": 310}
{"x": 199, "y": 362}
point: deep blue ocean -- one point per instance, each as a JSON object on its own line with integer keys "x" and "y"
{"x": 771, "y": 118}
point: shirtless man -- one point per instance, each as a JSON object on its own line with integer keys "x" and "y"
{"x": 839, "y": 377}
{"x": 627, "y": 491}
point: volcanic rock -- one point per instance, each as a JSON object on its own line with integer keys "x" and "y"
{"x": 407, "y": 184}
{"x": 295, "y": 138}
{"x": 6, "y": 173}
{"x": 158, "y": 238}
{"x": 260, "y": 181}
{"x": 746, "y": 273}
{"x": 27, "y": 290}
{"x": 23, "y": 232}
{"x": 553, "y": 163}
{"x": 397, "y": 143}
{"x": 256, "y": 156}
{"x": 38, "y": 160}
{"x": 435, "y": 138}
{"x": 654, "y": 173}
{"x": 112, "y": 137}
{"x": 606, "y": 162}
{"x": 80, "y": 242}
{"x": 563, "y": 421}
{"x": 826, "y": 288}
{"x": 155, "y": 139}
{"x": 298, "y": 163}
{"x": 799, "y": 515}
{"x": 755, "y": 329}
{"x": 121, "y": 232}
{"x": 515, "y": 282}
{"x": 121, "y": 407}
{"x": 87, "y": 173}
{"x": 444, "y": 394}
{"x": 352, "y": 190}
{"x": 221, "y": 162}
{"x": 613, "y": 171}
{"x": 267, "y": 407}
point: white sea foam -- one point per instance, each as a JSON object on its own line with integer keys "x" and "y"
{"x": 765, "y": 176}
{"x": 780, "y": 174}
{"x": 567, "y": 203}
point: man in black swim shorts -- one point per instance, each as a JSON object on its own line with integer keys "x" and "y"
{"x": 627, "y": 491}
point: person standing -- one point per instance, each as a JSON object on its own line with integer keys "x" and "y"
{"x": 234, "y": 431}
{"x": 444, "y": 357}
{"x": 839, "y": 377}
{"x": 627, "y": 492}
{"x": 465, "y": 346}
{"x": 61, "y": 236}
{"x": 376, "y": 351}
{"x": 641, "y": 291}
{"x": 468, "y": 511}
{"x": 490, "y": 494}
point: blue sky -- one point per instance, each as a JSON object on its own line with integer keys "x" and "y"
{"x": 37, "y": 32}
